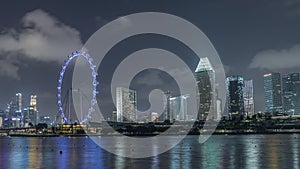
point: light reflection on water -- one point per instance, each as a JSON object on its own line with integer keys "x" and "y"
{"x": 220, "y": 151}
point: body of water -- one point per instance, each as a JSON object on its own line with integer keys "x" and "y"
{"x": 220, "y": 151}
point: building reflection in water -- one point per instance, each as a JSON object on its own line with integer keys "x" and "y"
{"x": 34, "y": 154}
{"x": 252, "y": 152}
{"x": 220, "y": 151}
{"x": 19, "y": 152}
{"x": 211, "y": 150}
{"x": 119, "y": 161}
{"x": 295, "y": 149}
{"x": 179, "y": 158}
{"x": 272, "y": 151}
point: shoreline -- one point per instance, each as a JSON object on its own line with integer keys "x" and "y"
{"x": 143, "y": 135}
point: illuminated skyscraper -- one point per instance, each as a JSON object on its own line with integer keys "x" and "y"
{"x": 235, "y": 98}
{"x": 178, "y": 108}
{"x": 273, "y": 94}
{"x": 19, "y": 104}
{"x": 205, "y": 78}
{"x": 291, "y": 93}
{"x": 248, "y": 98}
{"x": 32, "y": 112}
{"x": 126, "y": 105}
{"x": 33, "y": 102}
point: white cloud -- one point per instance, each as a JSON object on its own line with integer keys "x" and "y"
{"x": 43, "y": 37}
{"x": 277, "y": 59}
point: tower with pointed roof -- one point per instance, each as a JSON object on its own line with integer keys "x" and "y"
{"x": 205, "y": 78}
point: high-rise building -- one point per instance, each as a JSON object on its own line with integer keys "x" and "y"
{"x": 205, "y": 78}
{"x": 19, "y": 104}
{"x": 291, "y": 93}
{"x": 273, "y": 95}
{"x": 26, "y": 115}
{"x": 178, "y": 108}
{"x": 248, "y": 98}
{"x": 126, "y": 105}
{"x": 235, "y": 98}
{"x": 33, "y": 112}
{"x": 33, "y": 102}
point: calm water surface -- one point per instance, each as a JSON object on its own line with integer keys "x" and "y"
{"x": 220, "y": 151}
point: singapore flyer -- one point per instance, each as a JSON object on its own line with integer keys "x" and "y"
{"x": 94, "y": 74}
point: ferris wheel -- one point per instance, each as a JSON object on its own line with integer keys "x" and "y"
{"x": 94, "y": 74}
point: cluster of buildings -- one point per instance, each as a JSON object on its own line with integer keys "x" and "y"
{"x": 282, "y": 93}
{"x": 282, "y": 97}
{"x": 175, "y": 108}
{"x": 239, "y": 92}
{"x": 18, "y": 115}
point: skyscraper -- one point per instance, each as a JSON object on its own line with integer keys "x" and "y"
{"x": 272, "y": 87}
{"x": 126, "y": 105}
{"x": 248, "y": 98}
{"x": 178, "y": 108}
{"x": 235, "y": 97}
{"x": 205, "y": 78}
{"x": 32, "y": 112}
{"x": 166, "y": 115}
{"x": 19, "y": 104}
{"x": 33, "y": 102}
{"x": 291, "y": 93}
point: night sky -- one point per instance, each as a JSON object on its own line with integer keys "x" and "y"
{"x": 252, "y": 38}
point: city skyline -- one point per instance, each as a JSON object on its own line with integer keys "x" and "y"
{"x": 150, "y": 84}
{"x": 243, "y": 46}
{"x": 246, "y": 91}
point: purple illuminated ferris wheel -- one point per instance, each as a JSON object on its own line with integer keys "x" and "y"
{"x": 94, "y": 74}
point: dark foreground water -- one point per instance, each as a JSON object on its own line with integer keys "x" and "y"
{"x": 220, "y": 151}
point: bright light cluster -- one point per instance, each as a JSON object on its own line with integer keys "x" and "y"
{"x": 95, "y": 83}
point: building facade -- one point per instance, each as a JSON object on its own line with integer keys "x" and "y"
{"x": 235, "y": 96}
{"x": 178, "y": 108}
{"x": 32, "y": 111}
{"x": 291, "y": 94}
{"x": 126, "y": 105}
{"x": 19, "y": 104}
{"x": 248, "y": 98}
{"x": 273, "y": 94}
